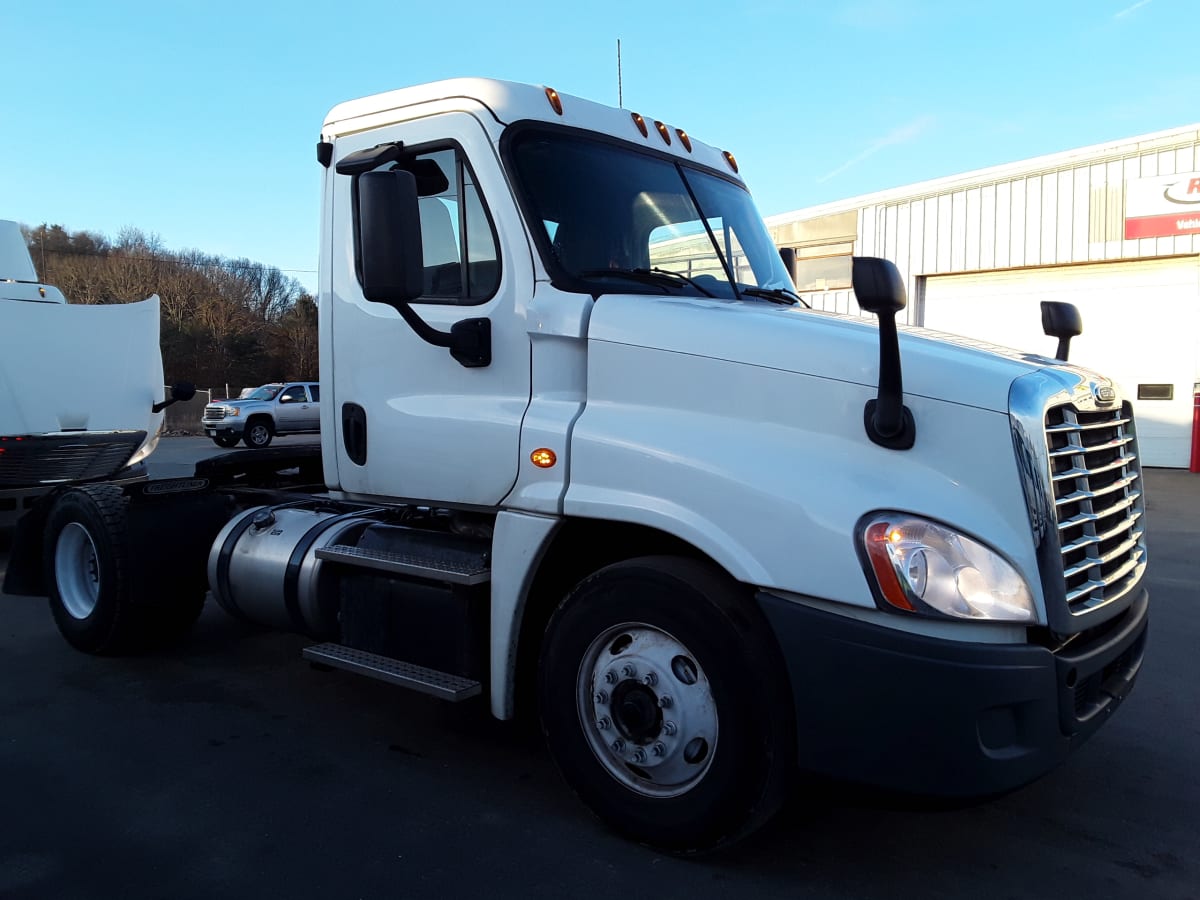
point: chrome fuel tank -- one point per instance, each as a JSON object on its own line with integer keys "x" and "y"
{"x": 263, "y": 568}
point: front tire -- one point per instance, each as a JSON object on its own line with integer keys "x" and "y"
{"x": 227, "y": 441}
{"x": 96, "y": 597}
{"x": 665, "y": 704}
{"x": 258, "y": 433}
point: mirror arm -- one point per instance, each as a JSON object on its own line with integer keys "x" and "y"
{"x": 469, "y": 340}
{"x": 182, "y": 390}
{"x": 887, "y": 420}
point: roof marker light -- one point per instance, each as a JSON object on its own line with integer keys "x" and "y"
{"x": 729, "y": 159}
{"x": 664, "y": 131}
{"x": 641, "y": 124}
{"x": 684, "y": 139}
{"x": 555, "y": 102}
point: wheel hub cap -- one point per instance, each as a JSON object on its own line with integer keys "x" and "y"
{"x": 647, "y": 710}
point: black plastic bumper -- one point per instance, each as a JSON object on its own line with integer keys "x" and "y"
{"x": 946, "y": 718}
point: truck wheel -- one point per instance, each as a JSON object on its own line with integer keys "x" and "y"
{"x": 91, "y": 581}
{"x": 258, "y": 433}
{"x": 226, "y": 440}
{"x": 666, "y": 705}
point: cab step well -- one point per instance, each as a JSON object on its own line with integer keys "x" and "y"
{"x": 443, "y": 685}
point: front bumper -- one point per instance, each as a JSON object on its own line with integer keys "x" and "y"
{"x": 946, "y": 718}
{"x": 222, "y": 426}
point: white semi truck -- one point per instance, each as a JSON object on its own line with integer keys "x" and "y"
{"x": 710, "y": 535}
{"x": 81, "y": 387}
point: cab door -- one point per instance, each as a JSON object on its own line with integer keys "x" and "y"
{"x": 412, "y": 422}
{"x": 291, "y": 409}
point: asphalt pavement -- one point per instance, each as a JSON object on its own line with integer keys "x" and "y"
{"x": 230, "y": 768}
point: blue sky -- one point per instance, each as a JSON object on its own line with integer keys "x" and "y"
{"x": 197, "y": 121}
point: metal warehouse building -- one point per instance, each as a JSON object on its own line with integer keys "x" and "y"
{"x": 1113, "y": 228}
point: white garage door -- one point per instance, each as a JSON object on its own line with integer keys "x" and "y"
{"x": 1141, "y": 327}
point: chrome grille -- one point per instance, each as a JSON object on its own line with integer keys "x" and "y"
{"x": 213, "y": 413}
{"x": 1097, "y": 502}
{"x": 40, "y": 459}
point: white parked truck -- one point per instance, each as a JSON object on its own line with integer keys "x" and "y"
{"x": 710, "y": 535}
{"x": 81, "y": 387}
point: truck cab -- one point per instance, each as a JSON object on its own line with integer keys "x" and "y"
{"x": 585, "y": 453}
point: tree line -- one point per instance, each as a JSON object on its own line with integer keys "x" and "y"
{"x": 224, "y": 321}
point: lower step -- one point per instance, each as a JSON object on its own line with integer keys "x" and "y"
{"x": 394, "y": 671}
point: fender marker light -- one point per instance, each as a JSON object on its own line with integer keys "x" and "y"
{"x": 543, "y": 457}
{"x": 879, "y": 536}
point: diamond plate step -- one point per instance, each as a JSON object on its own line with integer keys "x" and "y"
{"x": 394, "y": 671}
{"x": 456, "y": 568}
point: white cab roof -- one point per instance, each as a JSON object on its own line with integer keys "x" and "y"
{"x": 510, "y": 102}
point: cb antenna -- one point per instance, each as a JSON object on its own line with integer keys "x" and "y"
{"x": 620, "y": 91}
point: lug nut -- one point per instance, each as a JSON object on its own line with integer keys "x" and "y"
{"x": 650, "y": 679}
{"x": 639, "y": 755}
{"x": 604, "y": 723}
{"x": 601, "y": 697}
{"x": 664, "y": 702}
{"x": 610, "y": 677}
{"x": 628, "y": 671}
{"x": 669, "y": 728}
{"x": 618, "y": 746}
{"x": 659, "y": 748}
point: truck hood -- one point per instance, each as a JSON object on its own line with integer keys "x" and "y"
{"x": 810, "y": 342}
{"x": 69, "y": 367}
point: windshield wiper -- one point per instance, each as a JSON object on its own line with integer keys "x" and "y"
{"x": 775, "y": 295}
{"x": 685, "y": 278}
{"x": 657, "y": 277}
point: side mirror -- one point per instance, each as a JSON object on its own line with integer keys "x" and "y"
{"x": 1061, "y": 320}
{"x": 879, "y": 289}
{"x": 388, "y": 235}
{"x": 181, "y": 390}
{"x": 878, "y": 286}
{"x": 391, "y": 262}
{"x": 788, "y": 255}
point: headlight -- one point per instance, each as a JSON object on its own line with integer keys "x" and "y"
{"x": 145, "y": 450}
{"x": 232, "y": 412}
{"x": 926, "y": 568}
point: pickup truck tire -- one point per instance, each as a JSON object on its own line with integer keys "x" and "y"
{"x": 226, "y": 440}
{"x": 665, "y": 705}
{"x": 95, "y": 596}
{"x": 258, "y": 433}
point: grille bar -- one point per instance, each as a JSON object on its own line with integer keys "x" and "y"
{"x": 1096, "y": 480}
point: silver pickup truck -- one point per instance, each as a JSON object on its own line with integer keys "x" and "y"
{"x": 281, "y": 408}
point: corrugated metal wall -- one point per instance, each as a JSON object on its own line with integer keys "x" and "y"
{"x": 1055, "y": 216}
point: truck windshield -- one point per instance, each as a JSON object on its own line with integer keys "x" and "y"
{"x": 617, "y": 219}
{"x": 266, "y": 392}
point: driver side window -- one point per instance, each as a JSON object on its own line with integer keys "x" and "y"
{"x": 461, "y": 263}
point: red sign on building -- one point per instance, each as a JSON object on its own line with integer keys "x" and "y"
{"x": 1163, "y": 206}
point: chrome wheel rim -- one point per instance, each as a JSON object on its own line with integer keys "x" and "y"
{"x": 77, "y": 570}
{"x": 259, "y": 434}
{"x": 647, "y": 710}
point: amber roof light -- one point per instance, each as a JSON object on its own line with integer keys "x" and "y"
{"x": 555, "y": 101}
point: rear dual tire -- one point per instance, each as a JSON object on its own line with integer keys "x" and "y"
{"x": 99, "y": 602}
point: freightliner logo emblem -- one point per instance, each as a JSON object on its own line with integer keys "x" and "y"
{"x": 1104, "y": 393}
